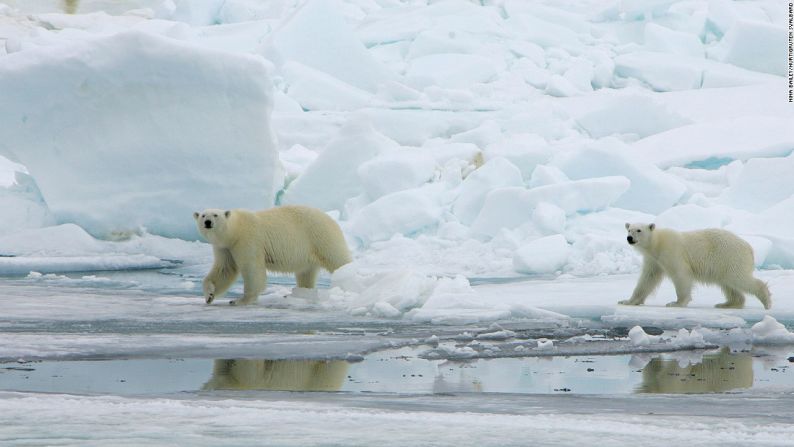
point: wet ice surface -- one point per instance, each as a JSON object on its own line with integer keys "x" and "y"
{"x": 401, "y": 371}
{"x": 89, "y": 354}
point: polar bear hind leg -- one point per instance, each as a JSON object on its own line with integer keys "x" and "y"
{"x": 761, "y": 291}
{"x": 734, "y": 299}
{"x": 747, "y": 284}
{"x": 333, "y": 254}
{"x": 307, "y": 279}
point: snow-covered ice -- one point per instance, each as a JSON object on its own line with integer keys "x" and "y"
{"x": 567, "y": 125}
{"x": 364, "y": 420}
{"x": 481, "y": 159}
{"x": 124, "y": 137}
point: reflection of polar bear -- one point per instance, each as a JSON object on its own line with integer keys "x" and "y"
{"x": 294, "y": 239}
{"x": 707, "y": 256}
{"x": 716, "y": 373}
{"x": 70, "y": 6}
{"x": 280, "y": 375}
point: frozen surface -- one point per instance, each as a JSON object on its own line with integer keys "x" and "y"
{"x": 152, "y": 135}
{"x": 63, "y": 326}
{"x": 481, "y": 159}
{"x": 484, "y": 117}
{"x": 153, "y": 314}
{"x": 288, "y": 419}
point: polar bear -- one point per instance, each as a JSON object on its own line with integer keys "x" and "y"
{"x": 710, "y": 256}
{"x": 279, "y": 375}
{"x": 289, "y": 239}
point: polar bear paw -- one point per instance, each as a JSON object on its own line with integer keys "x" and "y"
{"x": 209, "y": 291}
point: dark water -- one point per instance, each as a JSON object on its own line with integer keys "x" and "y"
{"x": 401, "y": 372}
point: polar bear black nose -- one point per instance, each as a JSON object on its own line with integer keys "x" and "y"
{"x": 207, "y": 223}
{"x": 630, "y": 239}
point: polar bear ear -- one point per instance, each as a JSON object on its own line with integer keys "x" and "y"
{"x": 195, "y": 216}
{"x": 627, "y": 225}
{"x": 227, "y": 213}
{"x": 652, "y": 226}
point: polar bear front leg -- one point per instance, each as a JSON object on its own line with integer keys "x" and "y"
{"x": 221, "y": 276}
{"x": 209, "y": 290}
{"x": 252, "y": 267}
{"x": 254, "y": 283}
{"x": 650, "y": 278}
{"x": 683, "y": 289}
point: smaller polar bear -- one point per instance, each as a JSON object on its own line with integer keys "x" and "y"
{"x": 289, "y": 239}
{"x": 707, "y": 256}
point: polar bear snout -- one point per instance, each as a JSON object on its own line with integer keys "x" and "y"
{"x": 631, "y": 240}
{"x": 211, "y": 219}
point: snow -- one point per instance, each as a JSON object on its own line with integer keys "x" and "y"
{"x": 689, "y": 339}
{"x": 753, "y": 45}
{"x": 125, "y": 142}
{"x": 635, "y": 114}
{"x": 316, "y": 90}
{"x": 651, "y": 190}
{"x": 770, "y": 330}
{"x": 496, "y": 173}
{"x": 337, "y": 166}
{"x": 639, "y": 338}
{"x": 733, "y": 138}
{"x": 456, "y": 71}
{"x": 545, "y": 255}
{"x": 330, "y": 47}
{"x": 404, "y": 212}
{"x": 549, "y": 218}
{"x": 396, "y": 171}
{"x": 545, "y": 344}
{"x": 480, "y": 157}
{"x": 683, "y": 339}
{"x": 761, "y": 184}
{"x": 509, "y": 207}
{"x": 661, "y": 39}
{"x": 660, "y": 71}
{"x": 526, "y": 151}
{"x": 364, "y": 420}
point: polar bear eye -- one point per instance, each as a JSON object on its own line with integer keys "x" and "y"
{"x": 214, "y": 215}
{"x": 639, "y": 231}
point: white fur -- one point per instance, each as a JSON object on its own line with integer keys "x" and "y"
{"x": 290, "y": 239}
{"x": 710, "y": 256}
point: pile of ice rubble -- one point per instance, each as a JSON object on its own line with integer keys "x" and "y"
{"x": 766, "y": 331}
{"x": 498, "y": 342}
{"x": 450, "y": 140}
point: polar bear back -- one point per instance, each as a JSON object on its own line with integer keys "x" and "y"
{"x": 711, "y": 254}
{"x": 291, "y": 237}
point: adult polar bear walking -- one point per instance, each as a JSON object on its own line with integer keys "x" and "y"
{"x": 708, "y": 256}
{"x": 290, "y": 239}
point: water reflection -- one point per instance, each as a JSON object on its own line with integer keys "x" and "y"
{"x": 719, "y": 372}
{"x": 281, "y": 375}
{"x": 70, "y": 6}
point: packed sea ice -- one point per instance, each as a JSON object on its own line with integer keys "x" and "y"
{"x": 452, "y": 141}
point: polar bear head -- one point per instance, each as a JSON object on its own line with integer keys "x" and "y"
{"x": 212, "y": 223}
{"x": 639, "y": 234}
